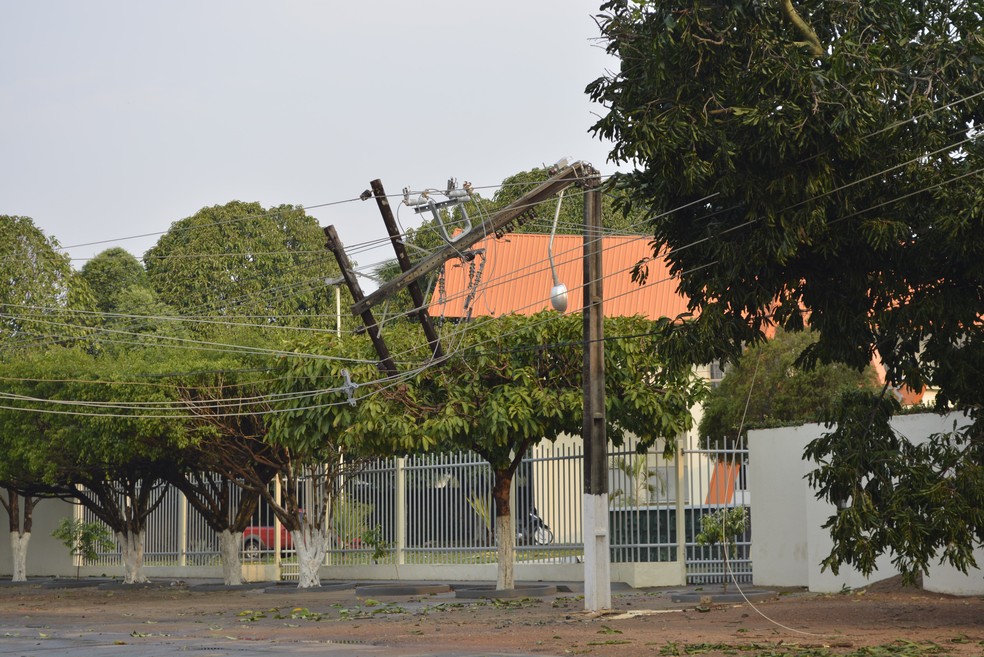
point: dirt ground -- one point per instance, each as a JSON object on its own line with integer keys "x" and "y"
{"x": 907, "y": 622}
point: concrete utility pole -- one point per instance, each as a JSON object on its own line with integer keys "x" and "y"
{"x": 597, "y": 554}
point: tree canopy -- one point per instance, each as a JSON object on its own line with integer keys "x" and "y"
{"x": 111, "y": 273}
{"x": 836, "y": 148}
{"x": 511, "y": 383}
{"x": 766, "y": 388}
{"x": 265, "y": 266}
{"x": 37, "y": 286}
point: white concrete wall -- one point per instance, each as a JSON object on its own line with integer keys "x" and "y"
{"x": 944, "y": 578}
{"x": 780, "y": 547}
{"x": 45, "y": 555}
{"x": 788, "y": 541}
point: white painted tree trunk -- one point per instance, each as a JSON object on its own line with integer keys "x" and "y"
{"x": 132, "y": 548}
{"x": 505, "y": 538}
{"x": 18, "y": 551}
{"x": 230, "y": 544}
{"x": 311, "y": 546}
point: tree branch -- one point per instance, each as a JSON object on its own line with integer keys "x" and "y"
{"x": 812, "y": 40}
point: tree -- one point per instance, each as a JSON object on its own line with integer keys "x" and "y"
{"x": 39, "y": 294}
{"x": 841, "y": 143}
{"x": 84, "y": 429}
{"x": 38, "y": 281}
{"x": 130, "y": 311}
{"x": 111, "y": 273}
{"x": 514, "y": 381}
{"x": 84, "y": 540}
{"x": 540, "y": 218}
{"x": 227, "y": 402}
{"x": 337, "y": 411}
{"x": 240, "y": 260}
{"x": 767, "y": 389}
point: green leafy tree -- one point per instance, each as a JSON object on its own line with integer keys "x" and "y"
{"x": 84, "y": 540}
{"x": 245, "y": 262}
{"x": 514, "y": 381}
{"x": 766, "y": 388}
{"x": 338, "y": 411}
{"x": 84, "y": 429}
{"x": 130, "y": 311}
{"x": 840, "y": 141}
{"x": 38, "y": 284}
{"x": 40, "y": 297}
{"x": 520, "y": 382}
{"x": 244, "y": 276}
{"x": 111, "y": 273}
{"x": 724, "y": 528}
{"x": 226, "y": 400}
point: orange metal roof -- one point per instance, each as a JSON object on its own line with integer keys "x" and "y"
{"x": 516, "y": 278}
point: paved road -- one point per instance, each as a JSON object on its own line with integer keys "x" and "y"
{"x": 34, "y": 642}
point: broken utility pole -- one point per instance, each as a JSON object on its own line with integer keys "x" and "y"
{"x": 562, "y": 179}
{"x": 597, "y": 557}
{"x": 405, "y": 265}
{"x": 386, "y": 364}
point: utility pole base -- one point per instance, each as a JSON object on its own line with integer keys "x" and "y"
{"x": 597, "y": 560}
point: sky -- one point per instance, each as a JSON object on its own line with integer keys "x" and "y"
{"x": 119, "y": 117}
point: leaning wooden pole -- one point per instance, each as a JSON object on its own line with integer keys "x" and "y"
{"x": 386, "y": 364}
{"x": 416, "y": 294}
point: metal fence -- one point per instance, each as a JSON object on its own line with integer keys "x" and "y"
{"x": 719, "y": 477}
{"x": 436, "y": 509}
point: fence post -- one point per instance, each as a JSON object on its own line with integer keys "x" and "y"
{"x": 400, "y": 513}
{"x": 681, "y": 507}
{"x": 182, "y": 530}
{"x": 277, "y": 572}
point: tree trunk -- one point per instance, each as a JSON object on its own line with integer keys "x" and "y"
{"x": 505, "y": 534}
{"x": 230, "y": 543}
{"x": 132, "y": 548}
{"x": 20, "y": 536}
{"x": 18, "y": 551}
{"x": 311, "y": 544}
{"x": 506, "y": 553}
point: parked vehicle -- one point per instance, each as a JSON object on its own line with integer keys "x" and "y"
{"x": 259, "y": 539}
{"x": 533, "y": 530}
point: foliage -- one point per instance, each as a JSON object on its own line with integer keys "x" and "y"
{"x": 724, "y": 527}
{"x": 373, "y": 539}
{"x": 84, "y": 540}
{"x": 511, "y": 383}
{"x": 920, "y": 501}
{"x": 110, "y": 273}
{"x": 846, "y": 183}
{"x": 39, "y": 290}
{"x": 110, "y": 454}
{"x": 639, "y": 477}
{"x": 240, "y": 260}
{"x": 766, "y": 388}
{"x": 132, "y": 314}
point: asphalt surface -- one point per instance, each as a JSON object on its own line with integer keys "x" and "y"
{"x": 22, "y": 635}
